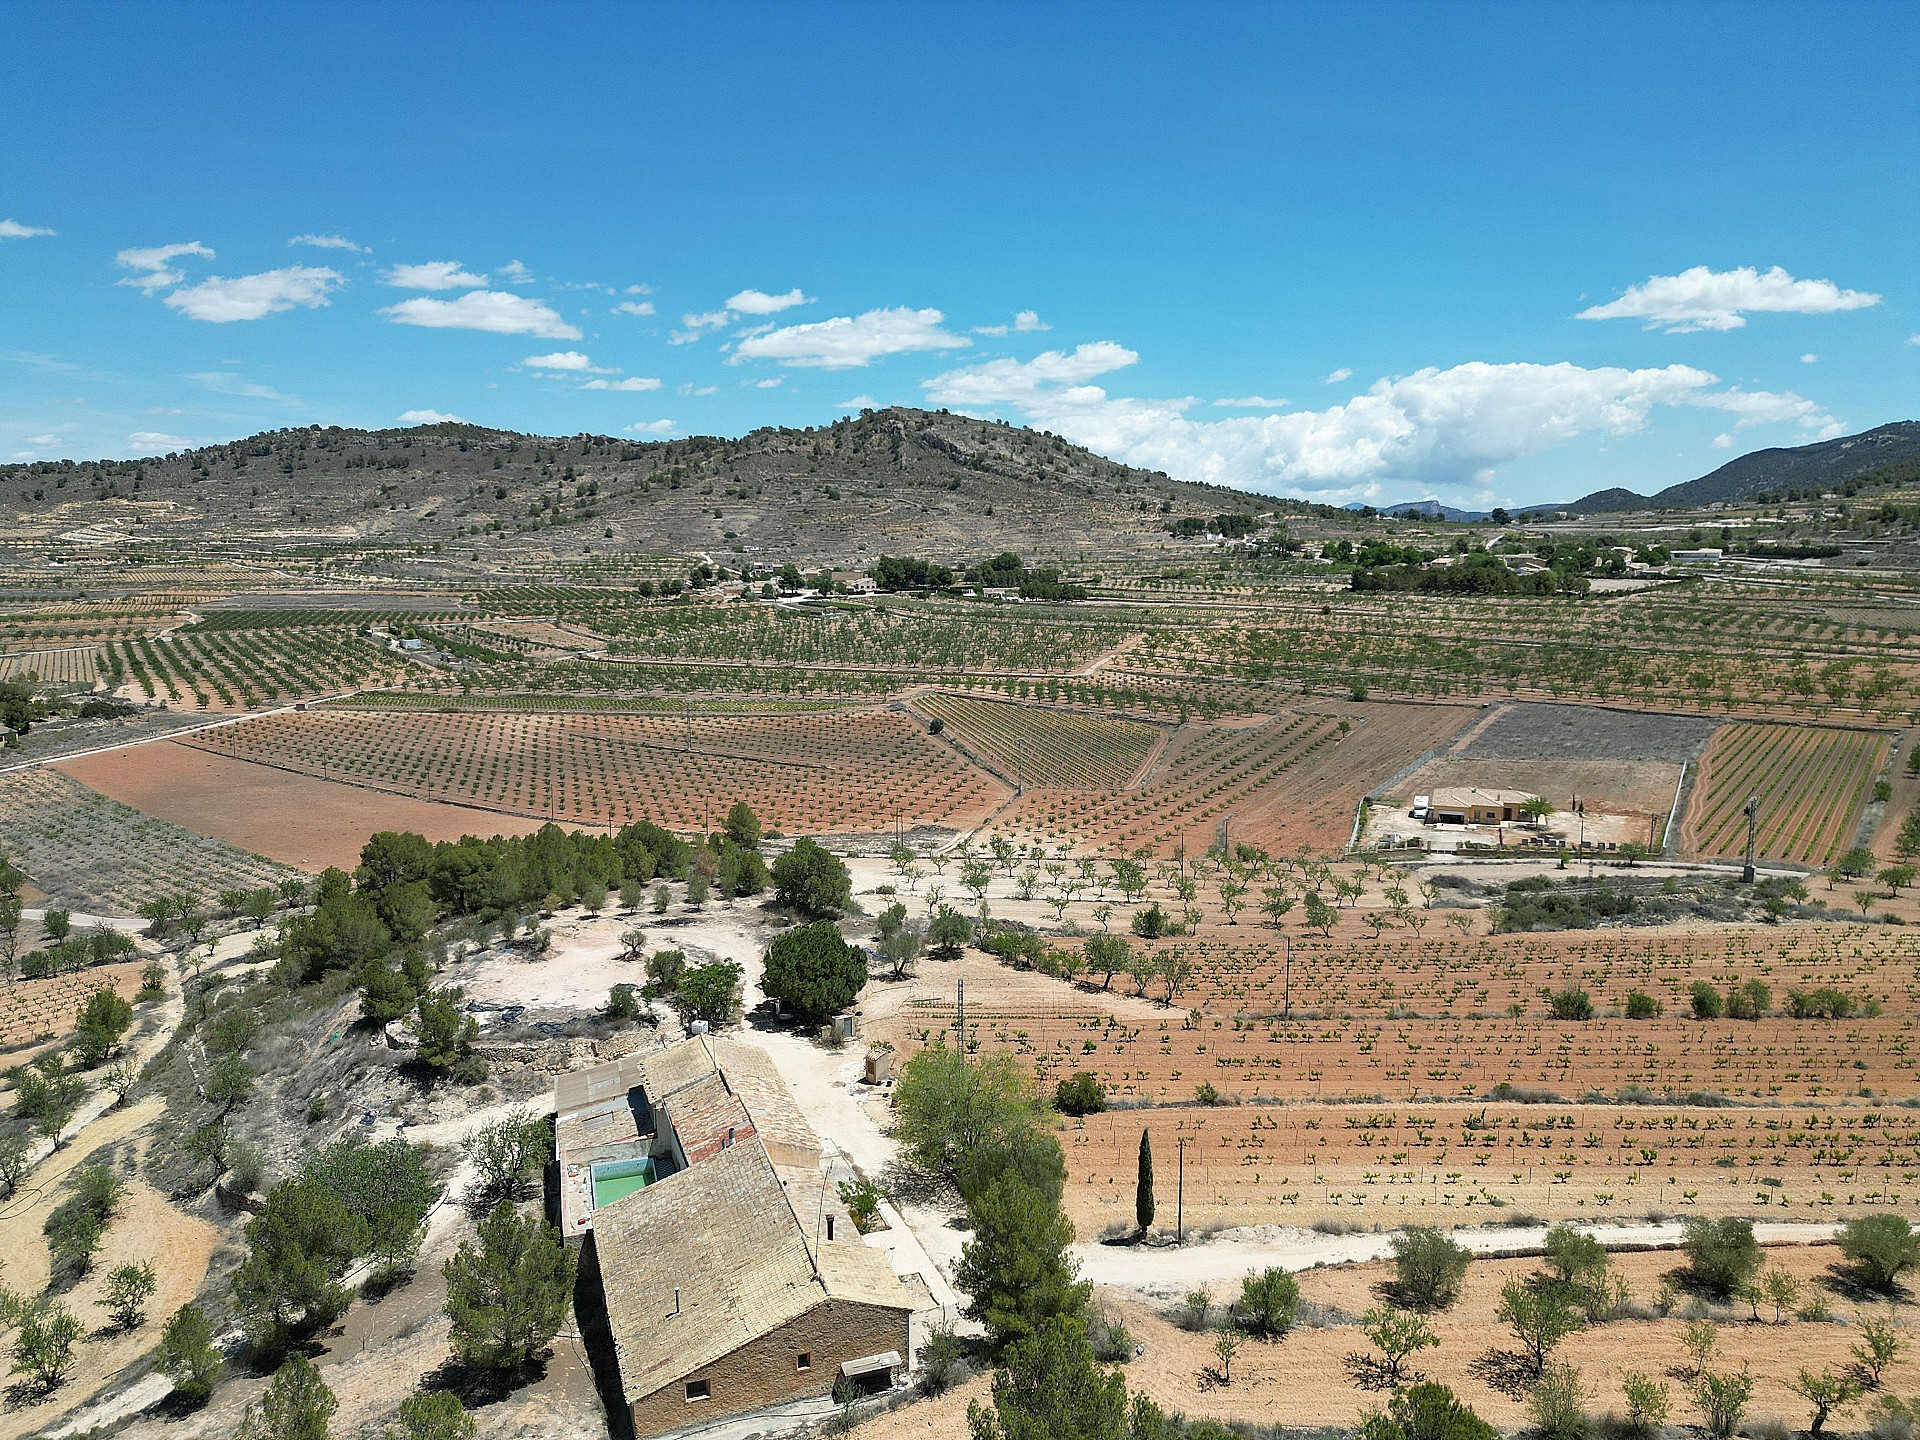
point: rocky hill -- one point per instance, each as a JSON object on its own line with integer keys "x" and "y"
{"x": 925, "y": 482}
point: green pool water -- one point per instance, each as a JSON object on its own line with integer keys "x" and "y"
{"x": 615, "y": 1180}
{"x": 616, "y": 1187}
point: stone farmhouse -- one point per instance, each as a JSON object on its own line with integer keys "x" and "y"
{"x": 734, "y": 1278}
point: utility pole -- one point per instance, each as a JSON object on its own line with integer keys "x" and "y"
{"x": 1180, "y": 1194}
{"x": 1286, "y": 978}
{"x": 1753, "y": 809}
{"x": 960, "y": 1008}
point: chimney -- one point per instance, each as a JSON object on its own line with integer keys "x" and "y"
{"x": 676, "y": 1299}
{"x": 729, "y": 1144}
{"x": 829, "y": 1227}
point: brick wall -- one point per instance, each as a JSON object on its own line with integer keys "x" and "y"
{"x": 764, "y": 1372}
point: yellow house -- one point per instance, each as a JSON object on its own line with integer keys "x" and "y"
{"x": 1478, "y": 807}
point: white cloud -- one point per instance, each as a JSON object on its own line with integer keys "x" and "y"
{"x": 1253, "y": 402}
{"x": 859, "y": 402}
{"x": 692, "y": 389}
{"x": 429, "y": 417}
{"x": 1023, "y": 322}
{"x": 1723, "y": 441}
{"x": 1767, "y": 407}
{"x": 43, "y": 439}
{"x": 847, "y": 341}
{"x": 634, "y": 307}
{"x": 632, "y": 382}
{"x": 758, "y": 302}
{"x": 1913, "y": 339}
{"x": 153, "y": 264}
{"x": 156, "y": 441}
{"x": 1809, "y": 359}
{"x": 1334, "y": 377}
{"x": 1703, "y": 299}
{"x": 514, "y": 273}
{"x": 219, "y": 300}
{"x": 651, "y": 427}
{"x": 706, "y": 320}
{"x": 15, "y": 230}
{"x": 497, "y": 311}
{"x": 773, "y": 383}
{"x": 225, "y": 382}
{"x": 638, "y": 290}
{"x": 433, "y": 275}
{"x": 328, "y": 242}
{"x": 1000, "y": 382}
{"x": 683, "y": 337}
{"x": 1433, "y": 428}
{"x": 41, "y": 362}
{"x": 558, "y": 360}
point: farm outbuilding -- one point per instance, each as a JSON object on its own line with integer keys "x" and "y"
{"x": 730, "y": 1289}
{"x": 1477, "y": 807}
{"x": 733, "y": 1275}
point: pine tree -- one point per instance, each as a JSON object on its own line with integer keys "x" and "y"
{"x": 1143, "y": 1187}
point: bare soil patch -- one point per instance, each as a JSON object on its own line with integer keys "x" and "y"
{"x": 1310, "y": 1378}
{"x": 146, "y": 1227}
{"x": 1527, "y": 731}
{"x": 299, "y": 820}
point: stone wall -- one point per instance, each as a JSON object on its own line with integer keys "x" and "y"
{"x": 766, "y": 1372}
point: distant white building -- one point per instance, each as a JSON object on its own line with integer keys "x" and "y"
{"x": 1707, "y": 556}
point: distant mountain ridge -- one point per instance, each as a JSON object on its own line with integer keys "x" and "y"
{"x": 1819, "y": 465}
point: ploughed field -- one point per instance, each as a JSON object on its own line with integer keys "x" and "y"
{"x": 1064, "y": 749}
{"x": 1422, "y": 1073}
{"x": 44, "y": 1008}
{"x": 1280, "y": 782}
{"x": 833, "y": 772}
{"x": 1479, "y": 1163}
{"x": 1812, "y": 783}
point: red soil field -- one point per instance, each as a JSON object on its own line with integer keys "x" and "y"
{"x": 1294, "y": 779}
{"x": 36, "y": 1009}
{"x": 295, "y": 819}
{"x": 804, "y": 773}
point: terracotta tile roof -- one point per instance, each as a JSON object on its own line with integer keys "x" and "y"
{"x": 751, "y": 1076}
{"x": 707, "y": 1118}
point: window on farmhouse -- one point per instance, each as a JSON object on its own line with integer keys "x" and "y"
{"x": 803, "y": 1361}
{"x": 698, "y": 1390}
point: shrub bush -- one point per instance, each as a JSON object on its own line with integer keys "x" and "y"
{"x": 1268, "y": 1305}
{"x": 1080, "y": 1094}
{"x": 1428, "y": 1268}
{"x": 1722, "y": 1255}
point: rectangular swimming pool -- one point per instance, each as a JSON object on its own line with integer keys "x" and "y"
{"x": 616, "y": 1179}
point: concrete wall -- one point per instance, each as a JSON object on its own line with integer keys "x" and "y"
{"x": 764, "y": 1372}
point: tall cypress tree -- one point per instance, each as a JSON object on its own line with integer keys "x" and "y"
{"x": 1143, "y": 1188}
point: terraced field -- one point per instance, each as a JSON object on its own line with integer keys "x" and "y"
{"x": 1811, "y": 782}
{"x": 1065, "y": 749}
{"x": 811, "y": 772}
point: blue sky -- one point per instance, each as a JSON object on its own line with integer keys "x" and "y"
{"x": 1486, "y": 253}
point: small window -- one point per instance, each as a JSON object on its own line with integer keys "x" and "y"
{"x": 803, "y": 1361}
{"x": 698, "y": 1390}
